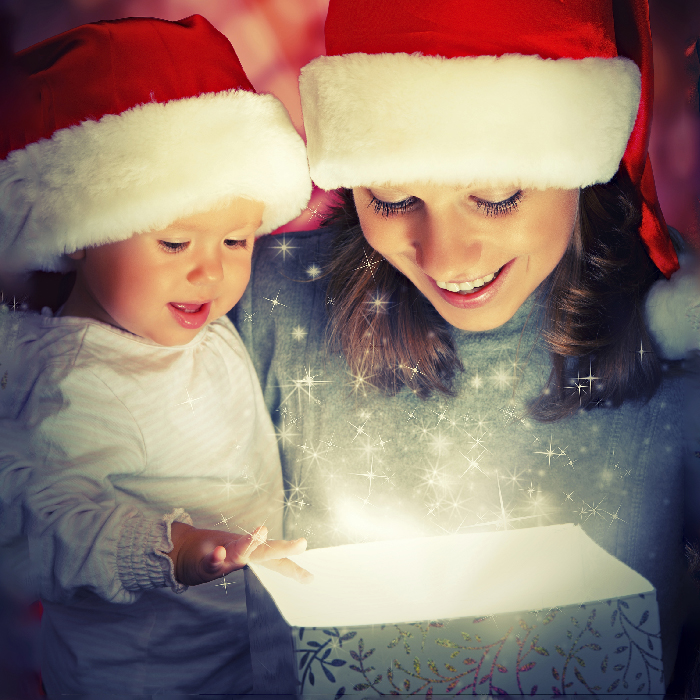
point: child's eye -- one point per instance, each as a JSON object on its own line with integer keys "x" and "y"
{"x": 171, "y": 247}
{"x": 505, "y": 206}
{"x": 236, "y": 242}
{"x": 387, "y": 209}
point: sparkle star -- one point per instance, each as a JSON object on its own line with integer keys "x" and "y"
{"x": 370, "y": 475}
{"x": 359, "y": 430}
{"x": 441, "y": 416}
{"x": 248, "y": 317}
{"x": 471, "y": 464}
{"x": 378, "y": 303}
{"x": 275, "y": 302}
{"x": 284, "y": 248}
{"x": 225, "y": 584}
{"x": 224, "y": 521}
{"x": 299, "y": 333}
{"x": 369, "y": 263}
{"x": 641, "y": 352}
{"x": 549, "y": 453}
{"x": 313, "y": 271}
{"x": 590, "y": 378}
{"x": 304, "y": 385}
{"x": 476, "y": 381}
{"x": 593, "y": 510}
{"x": 412, "y": 370}
{"x": 190, "y": 400}
{"x": 284, "y": 432}
{"x": 501, "y": 378}
{"x": 360, "y": 382}
{"x": 614, "y": 516}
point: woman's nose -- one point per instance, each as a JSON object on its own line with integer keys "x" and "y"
{"x": 447, "y": 247}
{"x": 208, "y": 269}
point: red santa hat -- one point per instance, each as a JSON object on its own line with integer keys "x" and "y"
{"x": 125, "y": 126}
{"x": 536, "y": 93}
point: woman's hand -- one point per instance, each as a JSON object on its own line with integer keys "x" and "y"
{"x": 204, "y": 555}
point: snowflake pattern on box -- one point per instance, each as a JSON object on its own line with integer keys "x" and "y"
{"x": 600, "y": 650}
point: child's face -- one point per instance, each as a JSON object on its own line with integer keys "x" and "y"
{"x": 166, "y": 285}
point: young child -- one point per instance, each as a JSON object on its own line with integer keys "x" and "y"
{"x": 140, "y": 155}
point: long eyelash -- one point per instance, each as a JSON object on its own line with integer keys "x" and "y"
{"x": 387, "y": 209}
{"x": 500, "y": 208}
{"x": 170, "y": 247}
{"x": 237, "y": 243}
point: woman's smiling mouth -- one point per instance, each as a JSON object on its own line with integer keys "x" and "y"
{"x": 468, "y": 287}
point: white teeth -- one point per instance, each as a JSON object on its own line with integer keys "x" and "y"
{"x": 466, "y": 287}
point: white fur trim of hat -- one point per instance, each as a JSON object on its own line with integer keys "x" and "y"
{"x": 515, "y": 119}
{"x": 102, "y": 181}
{"x": 672, "y": 311}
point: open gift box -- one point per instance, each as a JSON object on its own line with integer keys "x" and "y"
{"x": 535, "y": 611}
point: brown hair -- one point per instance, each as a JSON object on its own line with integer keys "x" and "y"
{"x": 592, "y": 317}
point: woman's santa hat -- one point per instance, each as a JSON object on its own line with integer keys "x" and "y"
{"x": 124, "y": 126}
{"x": 534, "y": 93}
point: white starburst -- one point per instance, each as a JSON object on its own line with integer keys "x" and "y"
{"x": 593, "y": 509}
{"x": 284, "y": 248}
{"x": 303, "y": 386}
{"x": 284, "y": 432}
{"x": 476, "y": 442}
{"x": 313, "y": 271}
{"x": 476, "y": 382}
{"x": 472, "y": 464}
{"x": 438, "y": 443}
{"x": 299, "y": 333}
{"x": 248, "y": 317}
{"x": 370, "y": 475}
{"x": 549, "y": 453}
{"x": 360, "y": 382}
{"x": 378, "y": 303}
{"x": 590, "y": 378}
{"x": 501, "y": 377}
{"x": 314, "y": 454}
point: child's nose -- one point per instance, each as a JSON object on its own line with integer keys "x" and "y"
{"x": 207, "y": 270}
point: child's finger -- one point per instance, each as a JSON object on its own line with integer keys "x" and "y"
{"x": 240, "y": 551}
{"x": 287, "y": 567}
{"x": 277, "y": 549}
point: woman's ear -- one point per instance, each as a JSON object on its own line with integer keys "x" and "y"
{"x": 78, "y": 255}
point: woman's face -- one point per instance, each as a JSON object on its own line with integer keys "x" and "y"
{"x": 476, "y": 253}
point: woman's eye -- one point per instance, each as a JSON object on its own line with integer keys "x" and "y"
{"x": 390, "y": 208}
{"x": 236, "y": 243}
{"x": 171, "y": 247}
{"x": 505, "y": 206}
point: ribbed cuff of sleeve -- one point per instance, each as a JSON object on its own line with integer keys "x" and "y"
{"x": 142, "y": 552}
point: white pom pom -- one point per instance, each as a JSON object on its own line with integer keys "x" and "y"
{"x": 673, "y": 311}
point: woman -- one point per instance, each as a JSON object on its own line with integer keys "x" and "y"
{"x": 462, "y": 345}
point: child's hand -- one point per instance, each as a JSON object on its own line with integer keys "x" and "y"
{"x": 204, "y": 555}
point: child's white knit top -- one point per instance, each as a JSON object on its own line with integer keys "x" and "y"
{"x": 125, "y": 436}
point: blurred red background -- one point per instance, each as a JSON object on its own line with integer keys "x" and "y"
{"x": 274, "y": 39}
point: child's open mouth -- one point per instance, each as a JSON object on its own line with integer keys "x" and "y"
{"x": 191, "y": 316}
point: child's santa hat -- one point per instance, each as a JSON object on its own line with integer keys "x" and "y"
{"x": 125, "y": 126}
{"x": 536, "y": 93}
